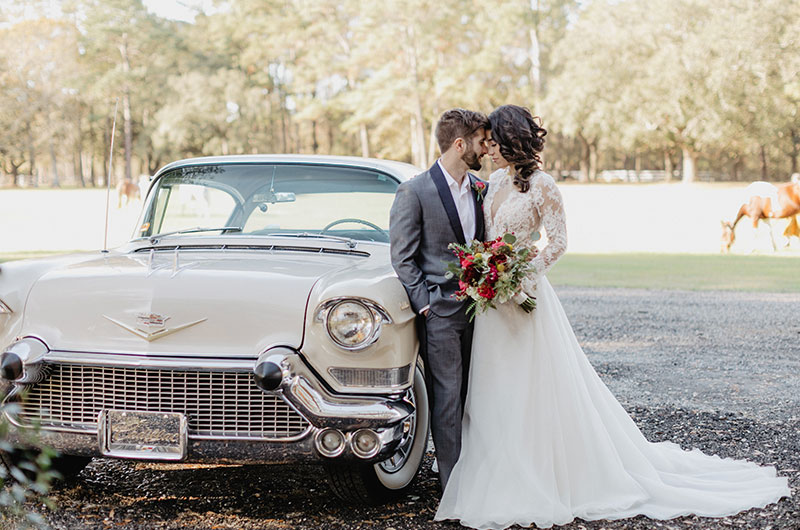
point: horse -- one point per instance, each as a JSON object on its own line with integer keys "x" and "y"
{"x": 766, "y": 201}
{"x": 127, "y": 190}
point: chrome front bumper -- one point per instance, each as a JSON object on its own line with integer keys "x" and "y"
{"x": 386, "y": 417}
{"x": 303, "y": 391}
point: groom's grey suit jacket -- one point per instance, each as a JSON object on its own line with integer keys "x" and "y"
{"x": 423, "y": 221}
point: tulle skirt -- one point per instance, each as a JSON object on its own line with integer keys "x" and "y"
{"x": 544, "y": 441}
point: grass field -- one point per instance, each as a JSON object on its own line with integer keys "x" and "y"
{"x": 655, "y": 271}
{"x": 679, "y": 271}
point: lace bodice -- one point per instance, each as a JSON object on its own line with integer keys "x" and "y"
{"x": 505, "y": 209}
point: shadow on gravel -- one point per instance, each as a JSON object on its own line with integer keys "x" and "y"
{"x": 116, "y": 494}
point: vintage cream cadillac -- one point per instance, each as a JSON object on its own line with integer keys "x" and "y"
{"x": 253, "y": 318}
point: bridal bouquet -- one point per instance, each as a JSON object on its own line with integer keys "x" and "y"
{"x": 490, "y": 273}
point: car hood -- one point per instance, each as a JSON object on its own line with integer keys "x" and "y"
{"x": 223, "y": 303}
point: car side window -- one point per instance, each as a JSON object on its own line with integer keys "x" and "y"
{"x": 192, "y": 205}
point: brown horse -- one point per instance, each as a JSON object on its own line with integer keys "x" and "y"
{"x": 127, "y": 191}
{"x": 767, "y": 201}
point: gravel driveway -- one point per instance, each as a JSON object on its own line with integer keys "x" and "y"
{"x": 715, "y": 370}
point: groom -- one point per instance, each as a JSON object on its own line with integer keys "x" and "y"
{"x": 430, "y": 211}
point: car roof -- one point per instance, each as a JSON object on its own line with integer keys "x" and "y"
{"x": 399, "y": 169}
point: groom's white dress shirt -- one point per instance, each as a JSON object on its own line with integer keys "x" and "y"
{"x": 462, "y": 196}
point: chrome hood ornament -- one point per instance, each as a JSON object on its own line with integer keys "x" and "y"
{"x": 152, "y": 326}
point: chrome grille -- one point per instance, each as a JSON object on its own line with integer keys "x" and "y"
{"x": 216, "y": 404}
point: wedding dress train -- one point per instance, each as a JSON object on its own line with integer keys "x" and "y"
{"x": 544, "y": 441}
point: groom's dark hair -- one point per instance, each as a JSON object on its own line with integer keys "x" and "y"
{"x": 458, "y": 123}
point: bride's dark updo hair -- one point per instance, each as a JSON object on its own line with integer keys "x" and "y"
{"x": 521, "y": 139}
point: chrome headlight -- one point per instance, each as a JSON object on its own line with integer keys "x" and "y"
{"x": 352, "y": 323}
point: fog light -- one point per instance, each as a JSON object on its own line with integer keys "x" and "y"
{"x": 10, "y": 366}
{"x": 365, "y": 443}
{"x": 268, "y": 375}
{"x": 330, "y": 442}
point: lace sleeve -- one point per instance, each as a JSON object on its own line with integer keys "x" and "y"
{"x": 549, "y": 205}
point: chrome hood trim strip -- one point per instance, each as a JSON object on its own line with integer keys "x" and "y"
{"x": 141, "y": 361}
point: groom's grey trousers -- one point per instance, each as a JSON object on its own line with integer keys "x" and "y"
{"x": 423, "y": 222}
{"x": 446, "y": 349}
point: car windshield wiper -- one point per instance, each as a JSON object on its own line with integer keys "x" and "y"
{"x": 154, "y": 238}
{"x": 351, "y": 243}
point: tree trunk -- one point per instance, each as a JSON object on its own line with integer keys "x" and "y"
{"x": 54, "y": 162}
{"x": 14, "y": 172}
{"x": 78, "y": 167}
{"x": 432, "y": 140}
{"x": 14, "y": 175}
{"x": 593, "y": 161}
{"x": 79, "y": 149}
{"x": 763, "y": 156}
{"x": 364, "y": 136}
{"x": 92, "y": 174}
{"x": 689, "y": 164}
{"x": 737, "y": 166}
{"x": 92, "y": 150}
{"x": 31, "y": 151}
{"x": 412, "y": 129}
{"x": 419, "y": 134}
{"x": 314, "y": 142}
{"x": 668, "y": 166}
{"x": 795, "y": 151}
{"x": 418, "y": 121}
{"x": 330, "y": 138}
{"x": 534, "y": 54}
{"x": 584, "y": 164}
{"x": 126, "y": 107}
{"x": 282, "y": 112}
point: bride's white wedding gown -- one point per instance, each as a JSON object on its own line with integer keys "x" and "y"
{"x": 544, "y": 441}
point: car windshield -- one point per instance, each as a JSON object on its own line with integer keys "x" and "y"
{"x": 268, "y": 199}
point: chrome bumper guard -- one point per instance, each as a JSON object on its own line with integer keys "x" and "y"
{"x": 303, "y": 391}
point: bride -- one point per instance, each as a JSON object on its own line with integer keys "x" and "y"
{"x": 543, "y": 440}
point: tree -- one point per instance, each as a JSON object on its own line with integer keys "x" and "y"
{"x": 123, "y": 44}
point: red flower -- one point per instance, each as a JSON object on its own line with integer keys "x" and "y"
{"x": 480, "y": 187}
{"x": 486, "y": 291}
{"x": 469, "y": 275}
{"x": 462, "y": 285}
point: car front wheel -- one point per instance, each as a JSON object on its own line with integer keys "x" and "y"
{"x": 377, "y": 483}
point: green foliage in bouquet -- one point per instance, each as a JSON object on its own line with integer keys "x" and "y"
{"x": 490, "y": 272}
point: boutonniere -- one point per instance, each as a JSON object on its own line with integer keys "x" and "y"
{"x": 480, "y": 188}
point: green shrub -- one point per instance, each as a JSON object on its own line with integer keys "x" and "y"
{"x": 25, "y": 476}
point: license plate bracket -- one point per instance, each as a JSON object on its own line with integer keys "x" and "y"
{"x": 143, "y": 435}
